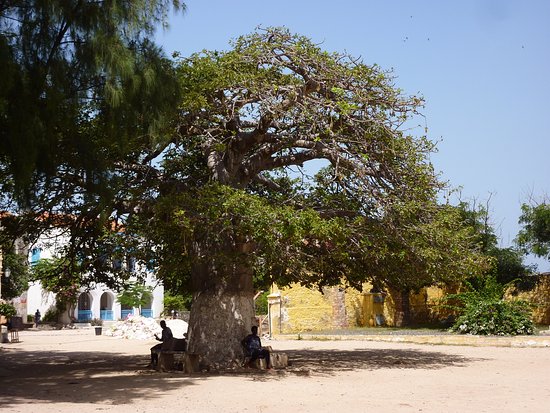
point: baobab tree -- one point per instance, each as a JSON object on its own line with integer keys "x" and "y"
{"x": 233, "y": 202}
{"x": 281, "y": 163}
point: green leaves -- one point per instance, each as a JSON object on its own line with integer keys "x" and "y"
{"x": 7, "y": 310}
{"x": 200, "y": 165}
{"x": 534, "y": 237}
{"x": 136, "y": 295}
{"x": 60, "y": 59}
{"x": 484, "y": 310}
{"x": 175, "y": 303}
{"x": 280, "y": 242}
{"x": 61, "y": 276}
{"x": 17, "y": 282}
{"x": 496, "y": 317}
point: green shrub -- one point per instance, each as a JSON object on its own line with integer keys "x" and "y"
{"x": 496, "y": 317}
{"x": 176, "y": 303}
{"x": 96, "y": 322}
{"x": 52, "y": 315}
{"x": 483, "y": 310}
{"x": 7, "y": 310}
{"x": 136, "y": 295}
{"x": 261, "y": 303}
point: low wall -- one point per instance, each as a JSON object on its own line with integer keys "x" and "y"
{"x": 539, "y": 297}
{"x": 298, "y": 309}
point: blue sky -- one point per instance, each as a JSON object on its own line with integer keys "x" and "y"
{"x": 483, "y": 67}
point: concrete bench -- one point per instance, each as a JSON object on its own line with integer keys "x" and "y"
{"x": 278, "y": 359}
{"x": 173, "y": 355}
{"x": 172, "y": 360}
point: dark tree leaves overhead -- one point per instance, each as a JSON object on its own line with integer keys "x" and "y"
{"x": 82, "y": 89}
{"x": 66, "y": 61}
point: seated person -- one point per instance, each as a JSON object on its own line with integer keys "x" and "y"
{"x": 253, "y": 346}
{"x": 165, "y": 337}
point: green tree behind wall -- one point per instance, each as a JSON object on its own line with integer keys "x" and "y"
{"x": 61, "y": 276}
{"x": 136, "y": 295}
{"x": 534, "y": 237}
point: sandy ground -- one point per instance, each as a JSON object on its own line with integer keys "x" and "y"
{"x": 71, "y": 371}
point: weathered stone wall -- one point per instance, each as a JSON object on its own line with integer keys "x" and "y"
{"x": 539, "y": 297}
{"x": 298, "y": 309}
{"x": 304, "y": 309}
{"x": 336, "y": 297}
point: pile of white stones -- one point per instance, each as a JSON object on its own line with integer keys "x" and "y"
{"x": 142, "y": 328}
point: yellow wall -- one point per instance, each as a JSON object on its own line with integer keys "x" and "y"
{"x": 304, "y": 309}
{"x": 539, "y": 297}
{"x": 296, "y": 308}
{"x": 363, "y": 307}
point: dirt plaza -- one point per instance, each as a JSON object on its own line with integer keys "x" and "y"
{"x": 76, "y": 371}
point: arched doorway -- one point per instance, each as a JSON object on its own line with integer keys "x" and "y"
{"x": 84, "y": 307}
{"x": 106, "y": 306}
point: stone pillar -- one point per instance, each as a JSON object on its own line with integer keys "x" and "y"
{"x": 274, "y": 313}
{"x": 337, "y": 298}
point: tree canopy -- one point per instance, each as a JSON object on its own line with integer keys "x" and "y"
{"x": 534, "y": 237}
{"x": 136, "y": 295}
{"x": 63, "y": 277}
{"x": 81, "y": 85}
{"x": 250, "y": 119}
{"x": 507, "y": 264}
{"x": 229, "y": 199}
{"x": 64, "y": 62}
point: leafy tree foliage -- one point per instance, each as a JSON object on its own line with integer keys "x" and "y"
{"x": 261, "y": 304}
{"x": 507, "y": 263}
{"x": 477, "y": 217}
{"x": 61, "y": 276}
{"x": 225, "y": 204}
{"x": 175, "y": 303}
{"x": 136, "y": 295}
{"x": 81, "y": 86}
{"x": 510, "y": 267}
{"x": 17, "y": 282}
{"x": 66, "y": 61}
{"x": 235, "y": 205}
{"x": 482, "y": 308}
{"x": 484, "y": 311}
{"x": 534, "y": 237}
{"x": 7, "y": 310}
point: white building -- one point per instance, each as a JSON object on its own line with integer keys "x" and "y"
{"x": 99, "y": 302}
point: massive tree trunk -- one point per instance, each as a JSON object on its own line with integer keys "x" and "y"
{"x": 222, "y": 312}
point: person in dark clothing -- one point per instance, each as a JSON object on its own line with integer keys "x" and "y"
{"x": 253, "y": 346}
{"x": 37, "y": 317}
{"x": 165, "y": 336}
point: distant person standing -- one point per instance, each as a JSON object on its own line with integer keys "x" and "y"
{"x": 37, "y": 317}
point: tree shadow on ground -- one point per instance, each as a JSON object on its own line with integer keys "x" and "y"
{"x": 113, "y": 379}
{"x": 330, "y": 361}
{"x": 307, "y": 362}
{"x": 81, "y": 377}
